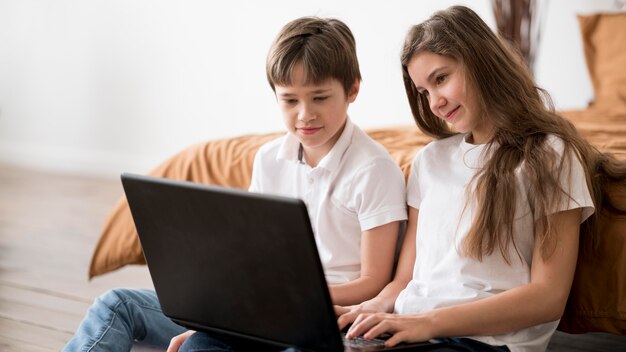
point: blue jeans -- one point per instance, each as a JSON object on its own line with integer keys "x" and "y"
{"x": 203, "y": 342}
{"x": 120, "y": 317}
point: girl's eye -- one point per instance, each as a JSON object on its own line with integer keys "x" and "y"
{"x": 441, "y": 78}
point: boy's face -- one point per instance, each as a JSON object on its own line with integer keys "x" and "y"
{"x": 315, "y": 114}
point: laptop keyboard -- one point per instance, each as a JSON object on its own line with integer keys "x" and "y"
{"x": 361, "y": 342}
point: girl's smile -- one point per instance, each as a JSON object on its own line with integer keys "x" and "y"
{"x": 450, "y": 116}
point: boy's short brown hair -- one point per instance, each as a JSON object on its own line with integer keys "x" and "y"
{"x": 325, "y": 47}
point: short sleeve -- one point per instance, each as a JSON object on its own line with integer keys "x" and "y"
{"x": 380, "y": 194}
{"x": 573, "y": 182}
{"x": 414, "y": 196}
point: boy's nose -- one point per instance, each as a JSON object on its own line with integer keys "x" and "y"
{"x": 306, "y": 115}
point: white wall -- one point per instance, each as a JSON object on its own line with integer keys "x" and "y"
{"x": 108, "y": 86}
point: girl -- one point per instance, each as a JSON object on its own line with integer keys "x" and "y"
{"x": 495, "y": 206}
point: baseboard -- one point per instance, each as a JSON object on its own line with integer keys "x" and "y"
{"x": 77, "y": 161}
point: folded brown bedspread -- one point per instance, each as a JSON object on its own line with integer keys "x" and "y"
{"x": 604, "y": 128}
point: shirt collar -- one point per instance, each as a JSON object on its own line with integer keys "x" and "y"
{"x": 474, "y": 155}
{"x": 290, "y": 146}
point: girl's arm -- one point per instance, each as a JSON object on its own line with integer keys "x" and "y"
{"x": 378, "y": 247}
{"x": 540, "y": 301}
{"x": 385, "y": 300}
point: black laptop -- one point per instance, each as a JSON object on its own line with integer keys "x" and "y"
{"x": 239, "y": 265}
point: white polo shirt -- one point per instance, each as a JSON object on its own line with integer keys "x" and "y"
{"x": 442, "y": 276}
{"x": 355, "y": 187}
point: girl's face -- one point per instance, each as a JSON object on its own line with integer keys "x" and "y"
{"x": 442, "y": 80}
{"x": 314, "y": 113}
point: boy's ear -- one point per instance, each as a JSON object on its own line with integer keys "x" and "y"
{"x": 354, "y": 91}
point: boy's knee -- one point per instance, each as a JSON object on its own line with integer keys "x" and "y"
{"x": 128, "y": 298}
{"x": 114, "y": 297}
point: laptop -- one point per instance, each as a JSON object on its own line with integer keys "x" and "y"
{"x": 241, "y": 266}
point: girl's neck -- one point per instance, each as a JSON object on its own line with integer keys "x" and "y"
{"x": 481, "y": 136}
{"x": 472, "y": 139}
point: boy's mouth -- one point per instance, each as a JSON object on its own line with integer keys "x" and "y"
{"x": 309, "y": 130}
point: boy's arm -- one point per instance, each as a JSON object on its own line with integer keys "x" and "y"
{"x": 384, "y": 302}
{"x": 406, "y": 263}
{"x": 377, "y": 253}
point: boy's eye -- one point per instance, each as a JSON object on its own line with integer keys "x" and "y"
{"x": 322, "y": 98}
{"x": 290, "y": 101}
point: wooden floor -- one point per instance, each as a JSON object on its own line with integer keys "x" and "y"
{"x": 49, "y": 224}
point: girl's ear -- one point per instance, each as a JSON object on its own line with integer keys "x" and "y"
{"x": 354, "y": 91}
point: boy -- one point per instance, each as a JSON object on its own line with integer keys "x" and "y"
{"x": 353, "y": 190}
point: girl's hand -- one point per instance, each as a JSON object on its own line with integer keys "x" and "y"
{"x": 178, "y": 341}
{"x": 403, "y": 328}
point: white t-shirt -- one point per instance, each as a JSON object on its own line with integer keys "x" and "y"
{"x": 355, "y": 187}
{"x": 442, "y": 276}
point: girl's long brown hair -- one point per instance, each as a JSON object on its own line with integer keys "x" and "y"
{"x": 523, "y": 117}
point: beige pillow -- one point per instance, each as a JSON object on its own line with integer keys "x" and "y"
{"x": 604, "y": 43}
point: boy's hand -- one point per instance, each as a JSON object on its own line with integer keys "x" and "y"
{"x": 178, "y": 341}
{"x": 347, "y": 315}
{"x": 341, "y": 310}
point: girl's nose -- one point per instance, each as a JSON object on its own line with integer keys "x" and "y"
{"x": 436, "y": 102}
